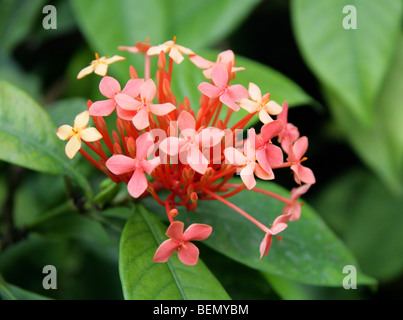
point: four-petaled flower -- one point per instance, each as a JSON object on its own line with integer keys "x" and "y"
{"x": 110, "y": 88}
{"x": 120, "y": 165}
{"x": 295, "y": 157}
{"x": 228, "y": 95}
{"x": 179, "y": 241}
{"x": 188, "y": 146}
{"x": 247, "y": 161}
{"x": 139, "y": 110}
{"x": 175, "y": 50}
{"x": 261, "y": 104}
{"x": 99, "y": 65}
{"x": 225, "y": 58}
{"x": 79, "y": 132}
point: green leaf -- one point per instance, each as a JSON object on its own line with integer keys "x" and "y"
{"x": 144, "y": 279}
{"x": 196, "y": 23}
{"x": 28, "y": 136}
{"x": 351, "y": 62}
{"x": 12, "y": 292}
{"x": 309, "y": 252}
{"x": 16, "y": 20}
{"x": 187, "y": 77}
{"x": 368, "y": 217}
{"x": 71, "y": 225}
{"x": 380, "y": 146}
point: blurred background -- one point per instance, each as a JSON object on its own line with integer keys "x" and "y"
{"x": 350, "y": 108}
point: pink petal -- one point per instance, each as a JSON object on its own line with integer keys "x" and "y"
{"x": 175, "y": 230}
{"x": 149, "y": 165}
{"x": 188, "y": 254}
{"x": 262, "y": 173}
{"x": 262, "y": 160}
{"x": 306, "y": 175}
{"x": 109, "y": 87}
{"x": 226, "y": 99}
{"x": 201, "y": 62}
{"x": 220, "y": 76}
{"x": 265, "y": 245}
{"x": 209, "y": 137}
{"x": 171, "y": 146}
{"x": 248, "y": 177}
{"x": 120, "y": 164}
{"x": 226, "y": 57}
{"x": 127, "y": 102}
{"x": 125, "y": 114}
{"x": 270, "y": 130}
{"x": 140, "y": 120}
{"x": 161, "y": 109}
{"x": 197, "y": 232}
{"x": 102, "y": 108}
{"x": 283, "y": 116}
{"x": 144, "y": 146}
{"x": 132, "y": 87}
{"x": 278, "y": 227}
{"x": 148, "y": 90}
{"x": 209, "y": 90}
{"x": 234, "y": 156}
{"x": 299, "y": 147}
{"x": 165, "y": 250}
{"x": 274, "y": 155}
{"x": 186, "y": 121}
{"x": 197, "y": 160}
{"x": 296, "y": 193}
{"x": 137, "y": 183}
{"x": 238, "y": 92}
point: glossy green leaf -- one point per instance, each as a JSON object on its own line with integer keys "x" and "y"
{"x": 368, "y": 217}
{"x": 196, "y": 24}
{"x": 187, "y": 77}
{"x": 309, "y": 252}
{"x": 351, "y": 62}
{"x": 380, "y": 146}
{"x": 144, "y": 279}
{"x": 28, "y": 136}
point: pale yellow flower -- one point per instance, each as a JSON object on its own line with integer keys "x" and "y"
{"x": 99, "y": 65}
{"x": 175, "y": 50}
{"x": 79, "y": 132}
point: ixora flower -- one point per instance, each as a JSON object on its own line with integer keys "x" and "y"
{"x": 179, "y": 241}
{"x": 175, "y": 50}
{"x": 262, "y": 105}
{"x": 79, "y": 132}
{"x": 190, "y": 151}
{"x": 228, "y": 95}
{"x": 99, "y": 65}
{"x": 137, "y": 167}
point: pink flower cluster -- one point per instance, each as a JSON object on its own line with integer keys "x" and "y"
{"x": 162, "y": 144}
